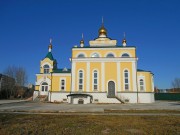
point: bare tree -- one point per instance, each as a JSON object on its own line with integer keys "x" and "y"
{"x": 176, "y": 83}
{"x": 9, "y": 87}
{"x": 10, "y": 71}
{"x": 19, "y": 73}
{"x": 21, "y": 76}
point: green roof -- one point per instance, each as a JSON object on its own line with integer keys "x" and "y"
{"x": 50, "y": 56}
{"x": 62, "y": 70}
{"x": 140, "y": 70}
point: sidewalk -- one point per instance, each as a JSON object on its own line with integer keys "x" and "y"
{"x": 11, "y": 101}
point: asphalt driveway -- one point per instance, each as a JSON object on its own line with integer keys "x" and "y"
{"x": 29, "y": 106}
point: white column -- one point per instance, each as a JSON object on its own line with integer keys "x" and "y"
{"x": 73, "y": 76}
{"x": 118, "y": 77}
{"x": 134, "y": 75}
{"x": 102, "y": 77}
{"x": 87, "y": 76}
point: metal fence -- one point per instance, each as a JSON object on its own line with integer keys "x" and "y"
{"x": 167, "y": 96}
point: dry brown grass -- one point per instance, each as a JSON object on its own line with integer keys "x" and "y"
{"x": 21, "y": 124}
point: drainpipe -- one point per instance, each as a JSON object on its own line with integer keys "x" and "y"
{"x": 137, "y": 83}
{"x": 51, "y": 87}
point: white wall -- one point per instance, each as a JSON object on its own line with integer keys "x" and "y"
{"x": 35, "y": 94}
{"x": 132, "y": 97}
{"x": 142, "y": 97}
{"x": 146, "y": 97}
{"x": 102, "y": 98}
{"x": 57, "y": 97}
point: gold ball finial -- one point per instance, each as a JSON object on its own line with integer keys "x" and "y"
{"x": 82, "y": 41}
{"x": 124, "y": 40}
{"x": 102, "y": 31}
{"x": 50, "y": 45}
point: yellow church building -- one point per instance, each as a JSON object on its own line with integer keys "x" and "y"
{"x": 102, "y": 72}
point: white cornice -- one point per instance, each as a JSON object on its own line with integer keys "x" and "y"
{"x": 61, "y": 74}
{"x": 109, "y": 48}
{"x": 55, "y": 74}
{"x": 104, "y": 59}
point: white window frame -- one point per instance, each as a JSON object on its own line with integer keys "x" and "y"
{"x": 93, "y": 84}
{"x": 95, "y": 53}
{"x": 80, "y": 54}
{"x": 44, "y": 87}
{"x": 144, "y": 81}
{"x": 125, "y": 57}
{"x": 124, "y": 78}
{"x": 110, "y": 53}
{"x": 62, "y": 85}
{"x": 79, "y": 80}
{"x": 46, "y": 70}
{"x": 124, "y": 53}
{"x": 141, "y": 86}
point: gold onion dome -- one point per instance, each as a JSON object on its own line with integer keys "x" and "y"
{"x": 102, "y": 31}
{"x": 50, "y": 46}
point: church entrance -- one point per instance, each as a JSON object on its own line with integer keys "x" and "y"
{"x": 111, "y": 89}
{"x": 44, "y": 89}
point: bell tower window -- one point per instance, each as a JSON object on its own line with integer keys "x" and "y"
{"x": 46, "y": 69}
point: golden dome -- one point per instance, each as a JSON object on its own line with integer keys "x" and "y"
{"x": 124, "y": 41}
{"x": 102, "y": 31}
{"x": 82, "y": 41}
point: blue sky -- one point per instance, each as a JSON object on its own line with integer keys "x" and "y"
{"x": 153, "y": 26}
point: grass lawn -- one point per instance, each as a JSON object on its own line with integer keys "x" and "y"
{"x": 33, "y": 124}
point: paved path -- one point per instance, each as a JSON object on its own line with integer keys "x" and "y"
{"x": 34, "y": 107}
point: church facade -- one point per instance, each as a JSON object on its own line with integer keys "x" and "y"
{"x": 102, "y": 72}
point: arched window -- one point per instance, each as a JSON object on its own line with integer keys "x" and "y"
{"x": 95, "y": 55}
{"x": 44, "y": 87}
{"x": 81, "y": 56}
{"x": 46, "y": 69}
{"x": 141, "y": 84}
{"x": 125, "y": 55}
{"x": 62, "y": 84}
{"x": 110, "y": 55}
{"x": 95, "y": 80}
{"x": 126, "y": 80}
{"x": 81, "y": 80}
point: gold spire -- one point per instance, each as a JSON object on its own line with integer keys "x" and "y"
{"x": 50, "y": 45}
{"x": 124, "y": 40}
{"x": 102, "y": 30}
